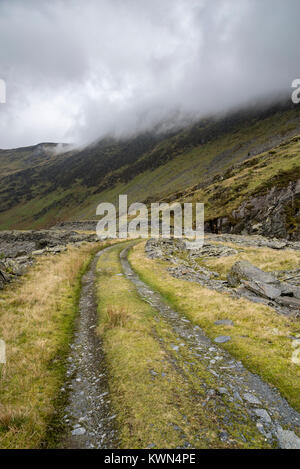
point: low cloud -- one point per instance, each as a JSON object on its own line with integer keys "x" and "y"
{"x": 78, "y": 70}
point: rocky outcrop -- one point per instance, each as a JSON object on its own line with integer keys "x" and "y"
{"x": 19, "y": 249}
{"x": 281, "y": 290}
{"x": 166, "y": 248}
{"x": 245, "y": 271}
{"x": 274, "y": 213}
{"x": 264, "y": 284}
{"x": 20, "y": 243}
{"x": 256, "y": 241}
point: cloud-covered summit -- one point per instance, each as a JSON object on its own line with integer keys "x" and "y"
{"x": 77, "y": 70}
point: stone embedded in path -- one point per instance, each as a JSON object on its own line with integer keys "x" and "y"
{"x": 251, "y": 398}
{"x": 78, "y": 431}
{"x": 288, "y": 439}
{"x": 263, "y": 414}
{"x": 222, "y": 390}
{"x": 224, "y": 322}
{"x": 222, "y": 339}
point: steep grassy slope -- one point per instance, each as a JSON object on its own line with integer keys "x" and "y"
{"x": 149, "y": 167}
{"x": 257, "y": 180}
{"x": 20, "y": 159}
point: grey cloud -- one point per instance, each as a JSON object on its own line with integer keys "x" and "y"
{"x": 77, "y": 70}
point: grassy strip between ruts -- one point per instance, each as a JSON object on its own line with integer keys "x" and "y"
{"x": 156, "y": 404}
{"x": 36, "y": 321}
{"x": 260, "y": 337}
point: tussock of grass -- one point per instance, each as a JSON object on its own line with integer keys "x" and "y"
{"x": 150, "y": 408}
{"x": 260, "y": 336}
{"x": 11, "y": 421}
{"x": 36, "y": 322}
{"x": 115, "y": 317}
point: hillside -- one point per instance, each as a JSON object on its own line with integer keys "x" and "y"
{"x": 223, "y": 162}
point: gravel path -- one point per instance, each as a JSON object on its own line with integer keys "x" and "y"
{"x": 88, "y": 416}
{"x": 241, "y": 390}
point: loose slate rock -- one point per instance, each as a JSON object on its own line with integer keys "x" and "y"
{"x": 251, "y": 398}
{"x": 288, "y": 439}
{"x": 222, "y": 390}
{"x": 222, "y": 339}
{"x": 263, "y": 414}
{"x": 244, "y": 270}
{"x": 78, "y": 431}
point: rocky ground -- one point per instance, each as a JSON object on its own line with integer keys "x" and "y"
{"x": 19, "y": 249}
{"x": 280, "y": 289}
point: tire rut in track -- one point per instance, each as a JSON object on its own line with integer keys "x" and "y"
{"x": 240, "y": 389}
{"x": 90, "y": 423}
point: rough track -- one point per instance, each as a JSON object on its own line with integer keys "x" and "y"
{"x": 88, "y": 416}
{"x": 239, "y": 388}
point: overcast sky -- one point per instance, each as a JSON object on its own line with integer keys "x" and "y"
{"x": 79, "y": 69}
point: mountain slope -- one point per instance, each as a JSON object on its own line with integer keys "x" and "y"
{"x": 40, "y": 187}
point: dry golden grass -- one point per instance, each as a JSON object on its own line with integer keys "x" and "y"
{"x": 260, "y": 336}
{"x": 36, "y": 318}
{"x": 115, "y": 317}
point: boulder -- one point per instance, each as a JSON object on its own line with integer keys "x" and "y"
{"x": 244, "y": 271}
{"x": 265, "y": 290}
{"x": 264, "y": 284}
{"x": 288, "y": 289}
{"x": 287, "y": 301}
{"x": 288, "y": 439}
